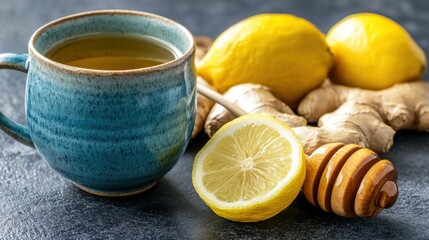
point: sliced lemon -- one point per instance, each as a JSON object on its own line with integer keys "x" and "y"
{"x": 250, "y": 170}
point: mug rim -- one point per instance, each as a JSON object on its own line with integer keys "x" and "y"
{"x": 163, "y": 66}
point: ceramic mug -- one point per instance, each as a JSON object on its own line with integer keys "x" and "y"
{"x": 112, "y": 133}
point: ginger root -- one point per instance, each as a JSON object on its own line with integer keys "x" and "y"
{"x": 252, "y": 98}
{"x": 356, "y": 116}
{"x": 403, "y": 106}
{"x": 353, "y": 122}
{"x": 365, "y": 117}
{"x": 203, "y": 104}
{"x": 203, "y": 45}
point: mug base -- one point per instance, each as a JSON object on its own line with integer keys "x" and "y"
{"x": 101, "y": 193}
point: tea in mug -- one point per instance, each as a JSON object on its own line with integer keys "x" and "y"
{"x": 112, "y": 52}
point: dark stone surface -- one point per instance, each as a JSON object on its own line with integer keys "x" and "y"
{"x": 36, "y": 203}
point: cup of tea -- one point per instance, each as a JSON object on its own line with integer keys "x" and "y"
{"x": 110, "y": 98}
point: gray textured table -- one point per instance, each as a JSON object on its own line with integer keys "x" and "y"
{"x": 36, "y": 203}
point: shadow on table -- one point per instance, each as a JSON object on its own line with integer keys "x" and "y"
{"x": 165, "y": 211}
{"x": 303, "y": 221}
{"x": 172, "y": 209}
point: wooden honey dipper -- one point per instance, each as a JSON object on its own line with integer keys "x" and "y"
{"x": 350, "y": 180}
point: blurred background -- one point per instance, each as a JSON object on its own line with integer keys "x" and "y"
{"x": 209, "y": 17}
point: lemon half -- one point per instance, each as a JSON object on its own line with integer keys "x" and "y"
{"x": 250, "y": 170}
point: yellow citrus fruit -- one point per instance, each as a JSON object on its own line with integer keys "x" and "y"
{"x": 373, "y": 52}
{"x": 250, "y": 170}
{"x": 285, "y": 53}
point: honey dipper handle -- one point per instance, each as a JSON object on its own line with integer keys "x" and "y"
{"x": 216, "y": 97}
{"x": 388, "y": 195}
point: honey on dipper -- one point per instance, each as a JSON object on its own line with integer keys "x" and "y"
{"x": 350, "y": 181}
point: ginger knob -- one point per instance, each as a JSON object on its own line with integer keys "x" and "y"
{"x": 350, "y": 181}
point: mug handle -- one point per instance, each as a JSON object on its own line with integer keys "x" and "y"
{"x": 19, "y": 132}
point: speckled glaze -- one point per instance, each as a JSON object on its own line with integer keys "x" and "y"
{"x": 112, "y": 133}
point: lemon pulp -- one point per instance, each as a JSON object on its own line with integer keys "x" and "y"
{"x": 254, "y": 159}
{"x": 250, "y": 170}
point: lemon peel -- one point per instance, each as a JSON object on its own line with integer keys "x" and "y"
{"x": 286, "y": 53}
{"x": 250, "y": 170}
{"x": 373, "y": 52}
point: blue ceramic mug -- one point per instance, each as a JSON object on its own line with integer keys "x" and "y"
{"x": 112, "y": 133}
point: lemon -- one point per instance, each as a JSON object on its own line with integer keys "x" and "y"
{"x": 373, "y": 52}
{"x": 250, "y": 170}
{"x": 285, "y": 53}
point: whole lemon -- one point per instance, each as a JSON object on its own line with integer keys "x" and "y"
{"x": 373, "y": 52}
{"x": 285, "y": 53}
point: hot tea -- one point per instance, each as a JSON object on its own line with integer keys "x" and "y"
{"x": 112, "y": 52}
